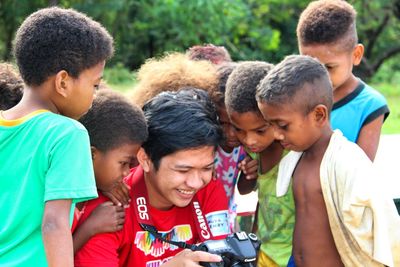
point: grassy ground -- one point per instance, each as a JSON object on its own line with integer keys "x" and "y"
{"x": 392, "y": 94}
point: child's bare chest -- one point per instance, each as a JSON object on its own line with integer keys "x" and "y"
{"x": 306, "y": 183}
{"x": 312, "y": 235}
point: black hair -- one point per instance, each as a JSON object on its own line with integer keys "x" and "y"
{"x": 240, "y": 94}
{"x": 11, "y": 86}
{"x": 328, "y": 22}
{"x": 55, "y": 39}
{"x": 180, "y": 120}
{"x": 286, "y": 84}
{"x": 113, "y": 120}
{"x": 224, "y": 70}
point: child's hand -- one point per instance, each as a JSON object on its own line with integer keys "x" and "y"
{"x": 249, "y": 167}
{"x": 119, "y": 194}
{"x": 106, "y": 217}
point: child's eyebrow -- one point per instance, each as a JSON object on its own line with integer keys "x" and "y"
{"x": 275, "y": 120}
{"x": 260, "y": 127}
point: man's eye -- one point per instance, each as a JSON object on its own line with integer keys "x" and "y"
{"x": 96, "y": 87}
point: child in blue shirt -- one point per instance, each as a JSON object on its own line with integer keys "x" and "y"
{"x": 327, "y": 31}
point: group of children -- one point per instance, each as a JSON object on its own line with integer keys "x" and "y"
{"x": 320, "y": 201}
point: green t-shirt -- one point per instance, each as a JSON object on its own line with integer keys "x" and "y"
{"x": 43, "y": 156}
{"x": 275, "y": 217}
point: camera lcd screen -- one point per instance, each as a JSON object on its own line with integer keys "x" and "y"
{"x": 217, "y": 244}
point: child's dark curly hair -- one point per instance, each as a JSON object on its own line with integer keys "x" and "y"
{"x": 300, "y": 82}
{"x": 240, "y": 94}
{"x": 328, "y": 22}
{"x": 113, "y": 120}
{"x": 224, "y": 70}
{"x": 11, "y": 86}
{"x": 55, "y": 39}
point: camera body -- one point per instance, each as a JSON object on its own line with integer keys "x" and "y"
{"x": 238, "y": 249}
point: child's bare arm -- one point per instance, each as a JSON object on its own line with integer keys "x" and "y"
{"x": 248, "y": 176}
{"x": 56, "y": 233}
{"x": 105, "y": 218}
{"x": 368, "y": 139}
{"x": 119, "y": 194}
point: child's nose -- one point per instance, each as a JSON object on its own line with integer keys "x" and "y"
{"x": 249, "y": 141}
{"x": 278, "y": 135}
{"x": 125, "y": 171}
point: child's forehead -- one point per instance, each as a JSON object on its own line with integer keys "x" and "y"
{"x": 245, "y": 119}
{"x": 278, "y": 111}
{"x": 333, "y": 49}
{"x": 128, "y": 148}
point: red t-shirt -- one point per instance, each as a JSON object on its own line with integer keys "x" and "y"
{"x": 134, "y": 247}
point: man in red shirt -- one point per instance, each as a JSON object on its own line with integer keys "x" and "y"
{"x": 172, "y": 189}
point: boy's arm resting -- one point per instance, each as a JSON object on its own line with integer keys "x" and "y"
{"x": 56, "y": 233}
{"x": 106, "y": 217}
{"x": 82, "y": 234}
{"x": 368, "y": 138}
{"x": 99, "y": 251}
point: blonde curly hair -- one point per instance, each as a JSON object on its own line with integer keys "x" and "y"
{"x": 172, "y": 72}
{"x": 11, "y": 86}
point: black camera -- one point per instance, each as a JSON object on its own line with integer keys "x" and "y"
{"x": 238, "y": 249}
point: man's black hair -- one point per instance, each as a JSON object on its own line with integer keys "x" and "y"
{"x": 113, "y": 121}
{"x": 55, "y": 39}
{"x": 180, "y": 120}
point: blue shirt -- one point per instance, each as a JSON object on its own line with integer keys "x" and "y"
{"x": 357, "y": 109}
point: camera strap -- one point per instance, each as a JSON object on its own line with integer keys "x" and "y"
{"x": 140, "y": 205}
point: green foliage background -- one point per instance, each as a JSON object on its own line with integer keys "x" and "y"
{"x": 249, "y": 29}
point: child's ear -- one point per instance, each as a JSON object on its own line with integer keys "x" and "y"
{"x": 62, "y": 81}
{"x": 320, "y": 114}
{"x": 94, "y": 152}
{"x": 144, "y": 160}
{"x": 358, "y": 53}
